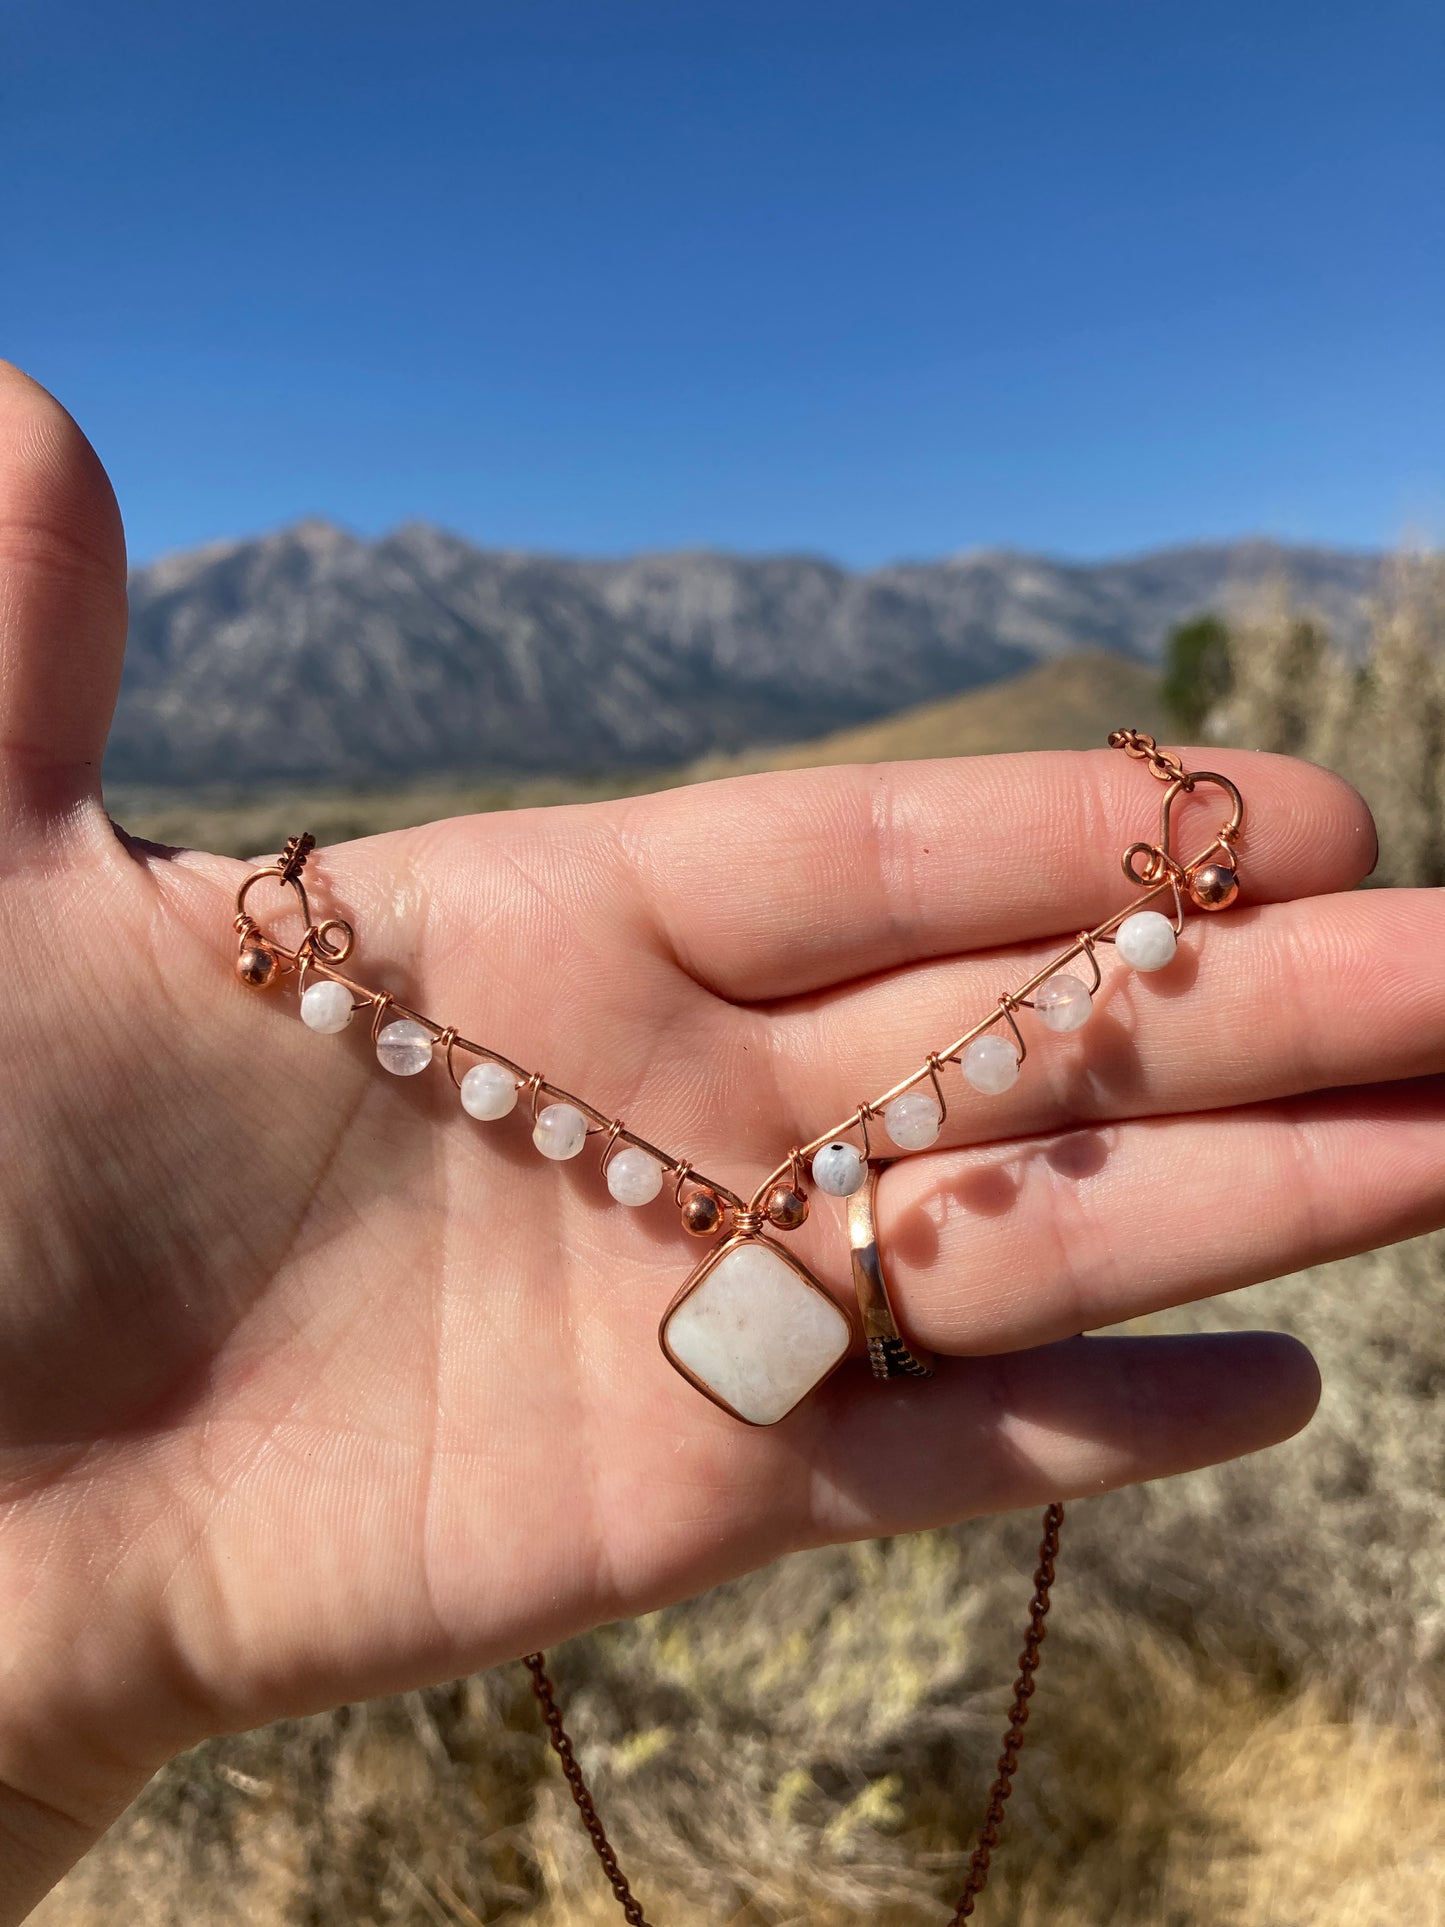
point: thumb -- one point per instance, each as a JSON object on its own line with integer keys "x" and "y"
{"x": 62, "y": 605}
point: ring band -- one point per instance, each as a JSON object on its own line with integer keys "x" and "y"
{"x": 889, "y": 1353}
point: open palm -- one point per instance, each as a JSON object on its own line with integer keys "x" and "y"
{"x": 313, "y": 1387}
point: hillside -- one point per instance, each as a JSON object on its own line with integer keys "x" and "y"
{"x": 1069, "y": 704}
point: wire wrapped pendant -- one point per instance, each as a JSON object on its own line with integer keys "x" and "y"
{"x": 753, "y": 1329}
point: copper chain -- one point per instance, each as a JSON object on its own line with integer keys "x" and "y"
{"x": 1008, "y": 1759}
{"x": 536, "y": 1665}
{"x": 1018, "y": 1716}
{"x": 1163, "y": 763}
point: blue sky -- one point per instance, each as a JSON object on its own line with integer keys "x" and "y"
{"x": 869, "y": 280}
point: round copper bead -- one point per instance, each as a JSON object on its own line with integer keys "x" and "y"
{"x": 256, "y": 966}
{"x": 1214, "y": 886}
{"x": 701, "y": 1214}
{"x": 786, "y": 1208}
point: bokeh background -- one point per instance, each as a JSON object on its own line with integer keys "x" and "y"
{"x": 527, "y": 403}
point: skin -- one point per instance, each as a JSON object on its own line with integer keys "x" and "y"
{"x": 313, "y": 1388}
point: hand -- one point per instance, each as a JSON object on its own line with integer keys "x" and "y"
{"x": 312, "y": 1387}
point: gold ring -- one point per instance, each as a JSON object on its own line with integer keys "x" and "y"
{"x": 889, "y": 1353}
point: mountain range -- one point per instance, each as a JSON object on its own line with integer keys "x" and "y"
{"x": 314, "y": 654}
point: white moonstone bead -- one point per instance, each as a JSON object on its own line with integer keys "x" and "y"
{"x": 991, "y": 1063}
{"x": 404, "y": 1048}
{"x": 839, "y": 1169}
{"x": 326, "y": 1006}
{"x": 914, "y": 1120}
{"x": 632, "y": 1176}
{"x": 560, "y": 1131}
{"x": 1146, "y": 940}
{"x": 1063, "y": 1002}
{"x": 489, "y": 1090}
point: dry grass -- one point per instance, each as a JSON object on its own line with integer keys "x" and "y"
{"x": 1239, "y": 1721}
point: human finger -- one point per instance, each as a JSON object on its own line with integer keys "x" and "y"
{"x": 1014, "y": 1245}
{"x": 62, "y": 604}
{"x": 1057, "y": 1422}
{"x": 771, "y": 886}
{"x": 1257, "y": 1005}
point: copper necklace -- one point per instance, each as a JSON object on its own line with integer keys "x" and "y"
{"x": 750, "y": 1259}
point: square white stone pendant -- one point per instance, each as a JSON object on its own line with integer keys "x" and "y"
{"x": 754, "y": 1330}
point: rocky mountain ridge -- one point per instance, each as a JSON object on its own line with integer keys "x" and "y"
{"x": 312, "y": 653}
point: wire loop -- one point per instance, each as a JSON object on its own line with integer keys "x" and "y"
{"x": 447, "y": 1043}
{"x": 615, "y": 1131}
{"x": 1006, "y": 1003}
{"x": 934, "y": 1067}
{"x": 1085, "y": 942}
{"x": 1156, "y": 865}
{"x": 319, "y": 940}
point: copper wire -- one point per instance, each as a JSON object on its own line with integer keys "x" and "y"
{"x": 446, "y": 1042}
{"x": 614, "y": 1136}
{"x": 1086, "y": 949}
{"x": 934, "y": 1067}
{"x": 325, "y": 945}
{"x": 1083, "y": 945}
{"x": 1006, "y": 1004}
